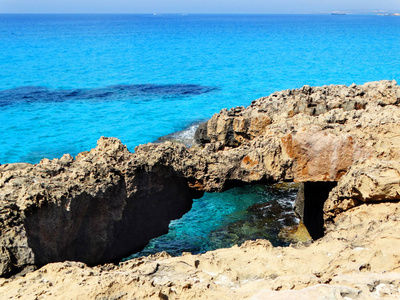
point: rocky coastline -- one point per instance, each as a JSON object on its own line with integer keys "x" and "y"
{"x": 340, "y": 142}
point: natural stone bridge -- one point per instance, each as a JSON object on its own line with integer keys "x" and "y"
{"x": 341, "y": 142}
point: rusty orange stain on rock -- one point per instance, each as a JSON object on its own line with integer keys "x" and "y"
{"x": 249, "y": 162}
{"x": 196, "y": 185}
{"x": 287, "y": 143}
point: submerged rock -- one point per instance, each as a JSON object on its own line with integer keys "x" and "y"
{"x": 262, "y": 220}
{"x": 294, "y": 234}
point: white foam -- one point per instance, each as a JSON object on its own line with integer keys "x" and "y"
{"x": 185, "y": 136}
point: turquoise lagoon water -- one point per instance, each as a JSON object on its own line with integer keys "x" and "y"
{"x": 223, "y": 220}
{"x": 66, "y": 80}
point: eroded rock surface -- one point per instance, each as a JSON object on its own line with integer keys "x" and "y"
{"x": 322, "y": 131}
{"x": 109, "y": 202}
{"x": 96, "y": 208}
{"x": 349, "y": 135}
{"x": 357, "y": 259}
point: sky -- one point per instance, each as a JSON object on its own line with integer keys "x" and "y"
{"x": 193, "y": 6}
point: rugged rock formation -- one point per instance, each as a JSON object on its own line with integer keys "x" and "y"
{"x": 349, "y": 135}
{"x": 98, "y": 208}
{"x": 108, "y": 202}
{"x": 321, "y": 130}
{"x": 368, "y": 181}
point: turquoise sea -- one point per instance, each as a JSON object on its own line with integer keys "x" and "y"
{"x": 66, "y": 80}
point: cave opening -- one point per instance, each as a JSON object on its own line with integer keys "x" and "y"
{"x": 309, "y": 205}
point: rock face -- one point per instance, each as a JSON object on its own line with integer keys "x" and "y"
{"x": 107, "y": 203}
{"x": 316, "y": 135}
{"x": 369, "y": 181}
{"x": 322, "y": 131}
{"x": 96, "y": 208}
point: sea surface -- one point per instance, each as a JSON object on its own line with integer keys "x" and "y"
{"x": 66, "y": 80}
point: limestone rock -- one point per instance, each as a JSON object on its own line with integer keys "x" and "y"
{"x": 100, "y": 207}
{"x": 108, "y": 202}
{"x": 367, "y": 181}
{"x": 357, "y": 259}
{"x": 321, "y": 130}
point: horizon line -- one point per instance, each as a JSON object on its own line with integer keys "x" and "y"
{"x": 187, "y": 13}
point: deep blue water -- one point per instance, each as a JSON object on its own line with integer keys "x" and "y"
{"x": 66, "y": 80}
{"x": 230, "y": 59}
